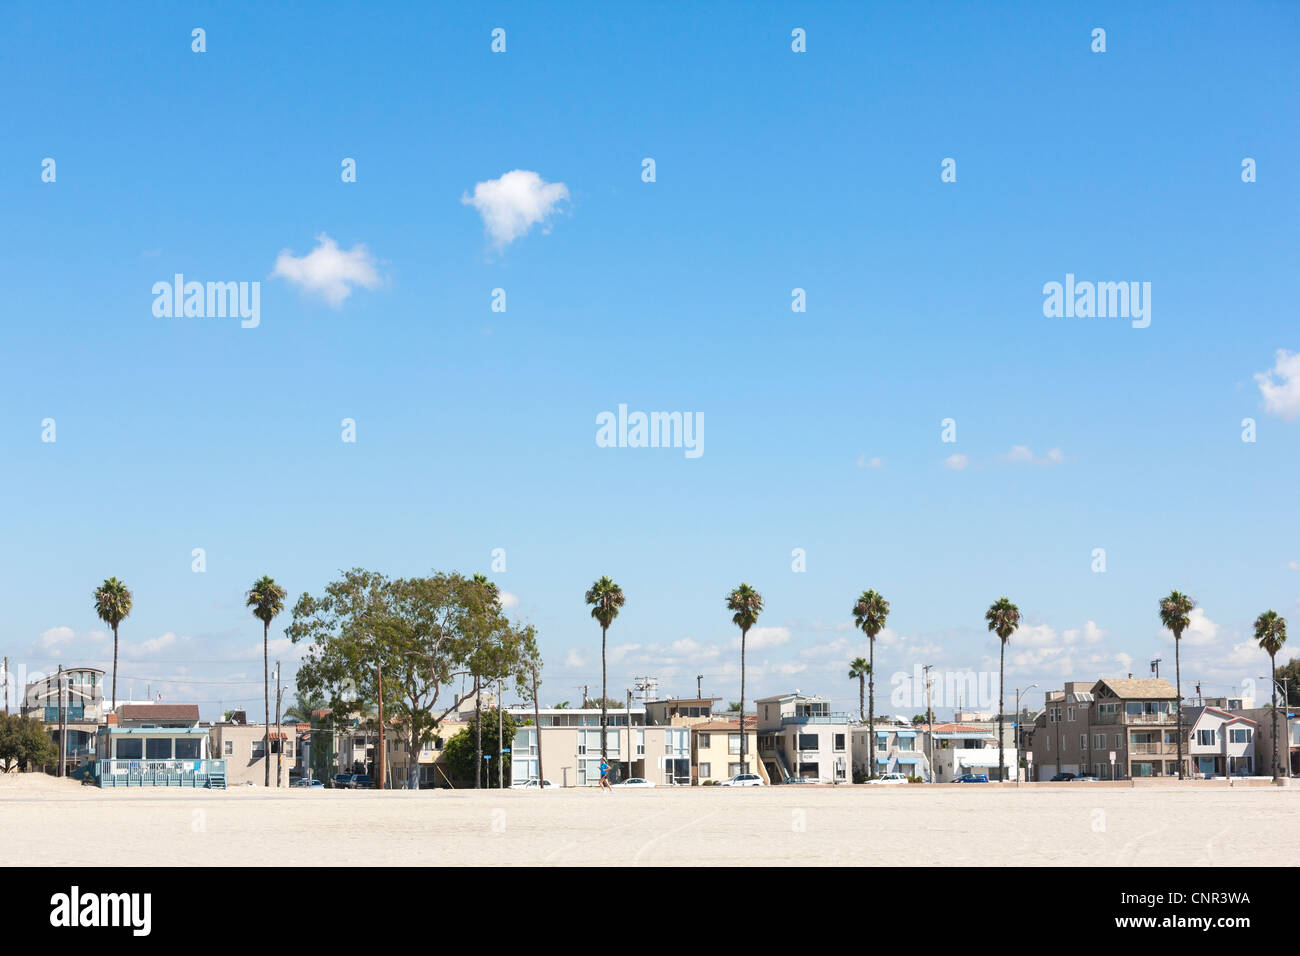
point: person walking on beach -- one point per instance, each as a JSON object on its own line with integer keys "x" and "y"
{"x": 604, "y": 775}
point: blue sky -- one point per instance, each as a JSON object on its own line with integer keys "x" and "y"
{"x": 775, "y": 170}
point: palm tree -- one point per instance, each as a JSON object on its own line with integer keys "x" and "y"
{"x": 1003, "y": 618}
{"x": 302, "y": 708}
{"x": 869, "y": 613}
{"x": 266, "y": 598}
{"x": 605, "y": 598}
{"x": 748, "y": 605}
{"x": 1175, "y": 615}
{"x": 859, "y": 668}
{"x": 113, "y": 604}
{"x": 1270, "y": 632}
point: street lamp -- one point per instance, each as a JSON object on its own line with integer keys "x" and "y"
{"x": 1027, "y": 689}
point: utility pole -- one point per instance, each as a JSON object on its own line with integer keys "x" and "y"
{"x": 379, "y": 759}
{"x": 6, "y": 687}
{"x": 478, "y": 730}
{"x": 629, "y": 734}
{"x": 501, "y": 756}
{"x": 929, "y": 722}
{"x": 584, "y": 693}
{"x": 63, "y": 735}
{"x": 1155, "y": 666}
{"x": 699, "y": 692}
{"x": 537, "y": 727}
{"x": 279, "y": 734}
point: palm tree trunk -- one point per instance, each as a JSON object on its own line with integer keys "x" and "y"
{"x": 1272, "y": 673}
{"x": 1178, "y": 677}
{"x": 478, "y": 725}
{"x": 862, "y": 696}
{"x": 266, "y": 700}
{"x": 114, "y": 667}
{"x": 1002, "y": 750}
{"x": 743, "y": 767}
{"x": 604, "y": 718}
{"x": 871, "y": 709}
{"x": 537, "y": 723}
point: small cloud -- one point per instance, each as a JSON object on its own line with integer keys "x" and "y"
{"x": 1200, "y": 629}
{"x": 56, "y": 636}
{"x": 574, "y": 659}
{"x": 516, "y": 202}
{"x": 1293, "y": 565}
{"x": 152, "y": 646}
{"x": 1281, "y": 397}
{"x": 761, "y": 637}
{"x": 956, "y": 462}
{"x": 865, "y": 462}
{"x": 1023, "y": 455}
{"x": 328, "y": 271}
{"x": 508, "y": 599}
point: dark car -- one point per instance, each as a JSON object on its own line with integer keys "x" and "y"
{"x": 340, "y": 780}
{"x": 973, "y": 778}
{"x": 1063, "y": 776}
{"x": 361, "y": 781}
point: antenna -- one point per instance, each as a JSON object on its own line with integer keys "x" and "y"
{"x": 1155, "y": 666}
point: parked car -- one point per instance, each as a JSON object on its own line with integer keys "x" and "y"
{"x": 341, "y": 780}
{"x": 1087, "y": 779}
{"x": 305, "y": 782}
{"x": 889, "y": 778}
{"x": 361, "y": 781}
{"x": 1064, "y": 775}
{"x": 743, "y": 780}
{"x": 973, "y": 778}
{"x": 797, "y": 780}
{"x": 531, "y": 784}
{"x": 635, "y": 782}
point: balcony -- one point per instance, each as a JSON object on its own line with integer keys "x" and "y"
{"x": 798, "y": 719}
{"x": 1135, "y": 719}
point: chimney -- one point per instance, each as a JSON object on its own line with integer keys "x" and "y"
{"x": 110, "y": 719}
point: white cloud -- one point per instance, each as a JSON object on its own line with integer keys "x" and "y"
{"x": 865, "y": 462}
{"x": 508, "y": 600}
{"x": 516, "y": 202}
{"x": 956, "y": 462}
{"x": 760, "y": 638}
{"x": 574, "y": 659}
{"x": 1282, "y": 397}
{"x": 1022, "y": 454}
{"x": 1293, "y": 565}
{"x": 1200, "y": 629}
{"x": 153, "y": 645}
{"x": 327, "y": 271}
{"x": 55, "y": 636}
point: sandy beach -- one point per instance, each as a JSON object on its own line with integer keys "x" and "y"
{"x": 48, "y": 822}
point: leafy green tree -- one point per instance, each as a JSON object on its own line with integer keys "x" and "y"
{"x": 1289, "y": 676}
{"x": 266, "y": 598}
{"x": 870, "y": 613}
{"x": 1003, "y": 619}
{"x": 112, "y": 605}
{"x": 1175, "y": 616}
{"x": 461, "y": 752}
{"x": 24, "y": 743}
{"x": 747, "y": 605}
{"x": 605, "y": 598}
{"x": 859, "y": 668}
{"x": 425, "y": 633}
{"x": 1270, "y": 633}
{"x": 303, "y": 707}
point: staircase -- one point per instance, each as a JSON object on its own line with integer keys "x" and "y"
{"x": 217, "y": 777}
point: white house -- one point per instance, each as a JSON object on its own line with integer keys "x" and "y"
{"x": 1222, "y": 743}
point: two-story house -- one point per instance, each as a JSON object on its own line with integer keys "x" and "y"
{"x": 1220, "y": 743}
{"x": 899, "y": 749}
{"x": 570, "y": 739}
{"x": 1084, "y": 724}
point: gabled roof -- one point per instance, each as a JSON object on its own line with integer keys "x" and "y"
{"x": 1139, "y": 688}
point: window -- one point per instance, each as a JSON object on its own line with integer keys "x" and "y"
{"x": 706, "y": 770}
{"x": 187, "y": 748}
{"x": 227, "y": 748}
{"x": 704, "y": 740}
{"x": 839, "y": 742}
{"x": 733, "y": 769}
{"x": 1239, "y": 735}
{"x": 130, "y": 748}
{"x": 256, "y": 749}
{"x": 807, "y": 742}
{"x": 1083, "y": 741}
{"x": 1069, "y": 714}
{"x": 733, "y": 743}
{"x": 158, "y": 748}
{"x": 1049, "y": 745}
{"x": 1206, "y": 738}
{"x": 1099, "y": 741}
{"x": 1119, "y": 741}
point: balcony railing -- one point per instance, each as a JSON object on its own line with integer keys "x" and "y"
{"x": 815, "y": 719}
{"x": 160, "y": 773}
{"x": 1120, "y": 719}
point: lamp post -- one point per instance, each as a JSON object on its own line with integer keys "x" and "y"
{"x": 1027, "y": 689}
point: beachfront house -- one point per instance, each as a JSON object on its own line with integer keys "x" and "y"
{"x": 1221, "y": 743}
{"x": 899, "y": 749}
{"x": 799, "y": 736}
{"x": 82, "y": 703}
{"x": 715, "y": 750}
{"x": 244, "y": 749}
{"x": 156, "y": 745}
{"x": 570, "y": 744}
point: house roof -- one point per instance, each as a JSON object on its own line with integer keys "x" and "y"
{"x": 720, "y": 726}
{"x": 1193, "y": 714}
{"x": 160, "y": 711}
{"x": 957, "y": 729}
{"x": 1128, "y": 688}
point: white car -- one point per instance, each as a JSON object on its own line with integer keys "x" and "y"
{"x": 531, "y": 784}
{"x": 889, "y": 778}
{"x": 743, "y": 780}
{"x": 635, "y": 782}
